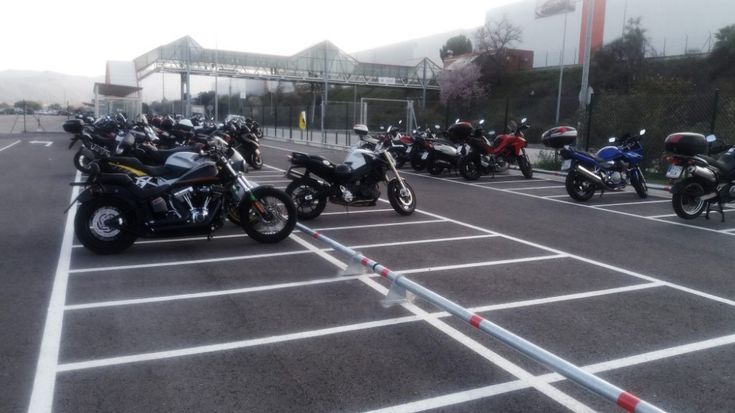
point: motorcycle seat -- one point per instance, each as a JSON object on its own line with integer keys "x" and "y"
{"x": 159, "y": 157}
{"x": 151, "y": 170}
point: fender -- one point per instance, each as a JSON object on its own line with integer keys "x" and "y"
{"x": 693, "y": 186}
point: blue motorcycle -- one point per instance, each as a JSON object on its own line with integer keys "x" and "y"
{"x": 610, "y": 169}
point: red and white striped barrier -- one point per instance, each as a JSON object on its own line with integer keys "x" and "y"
{"x": 400, "y": 285}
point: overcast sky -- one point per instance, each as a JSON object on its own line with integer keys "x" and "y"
{"x": 77, "y": 37}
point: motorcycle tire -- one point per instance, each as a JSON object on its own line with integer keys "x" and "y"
{"x": 639, "y": 183}
{"x": 469, "y": 169}
{"x": 578, "y": 187}
{"x": 82, "y": 163}
{"x": 525, "y": 166}
{"x": 687, "y": 206}
{"x": 404, "y": 205}
{"x": 270, "y": 218}
{"x": 433, "y": 168}
{"x": 400, "y": 162}
{"x": 306, "y": 209}
{"x": 97, "y": 236}
{"x": 255, "y": 160}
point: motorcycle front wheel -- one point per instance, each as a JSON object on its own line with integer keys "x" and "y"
{"x": 469, "y": 169}
{"x": 81, "y": 162}
{"x": 525, "y": 166}
{"x": 269, "y": 217}
{"x": 578, "y": 187}
{"x": 639, "y": 183}
{"x": 403, "y": 202}
{"x": 254, "y": 160}
{"x": 687, "y": 206}
{"x": 309, "y": 204}
{"x": 418, "y": 164}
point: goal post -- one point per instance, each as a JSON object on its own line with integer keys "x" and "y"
{"x": 375, "y": 112}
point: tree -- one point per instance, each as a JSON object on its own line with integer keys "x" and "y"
{"x": 461, "y": 85}
{"x": 54, "y": 106}
{"x": 621, "y": 63}
{"x": 497, "y": 36}
{"x": 29, "y": 105}
{"x": 723, "y": 53}
{"x": 457, "y": 45}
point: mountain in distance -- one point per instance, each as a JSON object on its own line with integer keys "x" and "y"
{"x": 46, "y": 87}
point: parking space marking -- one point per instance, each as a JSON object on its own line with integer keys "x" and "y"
{"x": 501, "y": 388}
{"x": 296, "y": 284}
{"x": 256, "y": 256}
{"x": 9, "y": 146}
{"x": 587, "y": 260}
{"x": 606, "y": 194}
{"x": 631, "y": 203}
{"x": 534, "y": 187}
{"x": 42, "y": 395}
{"x": 386, "y": 224}
{"x": 506, "y": 182}
{"x": 577, "y": 204}
{"x": 183, "y": 239}
{"x": 358, "y": 211}
{"x": 493, "y": 357}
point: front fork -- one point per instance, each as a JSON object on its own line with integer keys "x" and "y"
{"x": 392, "y": 165}
{"x": 247, "y": 186}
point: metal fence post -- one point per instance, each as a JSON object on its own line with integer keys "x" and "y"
{"x": 593, "y": 98}
{"x": 290, "y": 122}
{"x": 505, "y": 119}
{"x": 262, "y": 115}
{"x": 24, "y": 116}
{"x": 275, "y": 122}
{"x": 714, "y": 111}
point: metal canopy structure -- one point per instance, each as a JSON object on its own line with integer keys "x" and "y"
{"x": 323, "y": 62}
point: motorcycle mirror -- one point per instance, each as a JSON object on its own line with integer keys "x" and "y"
{"x": 437, "y": 127}
{"x": 456, "y": 121}
{"x": 711, "y": 138}
{"x": 491, "y": 133}
{"x": 642, "y": 132}
{"x": 382, "y": 128}
{"x": 482, "y": 121}
{"x": 400, "y": 122}
{"x": 524, "y": 120}
{"x": 414, "y": 131}
{"x": 612, "y": 139}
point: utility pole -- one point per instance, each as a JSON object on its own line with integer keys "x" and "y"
{"x": 583, "y": 93}
{"x": 561, "y": 65}
{"x": 325, "y": 96}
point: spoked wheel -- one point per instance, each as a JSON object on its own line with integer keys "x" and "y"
{"x": 639, "y": 183}
{"x": 525, "y": 166}
{"x": 403, "y": 201}
{"x": 255, "y": 160}
{"x": 309, "y": 204}
{"x": 267, "y": 215}
{"x": 104, "y": 225}
{"x": 82, "y": 163}
{"x": 578, "y": 187}
{"x": 469, "y": 169}
{"x": 687, "y": 206}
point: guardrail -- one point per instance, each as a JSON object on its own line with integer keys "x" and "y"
{"x": 398, "y": 293}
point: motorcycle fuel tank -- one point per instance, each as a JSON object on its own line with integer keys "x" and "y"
{"x": 609, "y": 153}
{"x": 356, "y": 157}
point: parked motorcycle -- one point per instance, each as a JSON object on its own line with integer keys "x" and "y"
{"x": 352, "y": 183}
{"x": 610, "y": 169}
{"x": 191, "y": 194}
{"x": 482, "y": 157}
{"x": 702, "y": 181}
{"x": 419, "y": 152}
{"x": 444, "y": 153}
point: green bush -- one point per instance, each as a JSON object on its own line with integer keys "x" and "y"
{"x": 548, "y": 160}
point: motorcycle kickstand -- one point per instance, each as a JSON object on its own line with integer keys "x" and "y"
{"x": 706, "y": 212}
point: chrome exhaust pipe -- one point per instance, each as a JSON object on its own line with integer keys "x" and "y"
{"x": 591, "y": 175}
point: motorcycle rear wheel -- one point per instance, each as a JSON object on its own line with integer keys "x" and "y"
{"x": 469, "y": 169}
{"x": 254, "y": 160}
{"x": 306, "y": 209}
{"x": 687, "y": 206}
{"x": 433, "y": 168}
{"x": 418, "y": 164}
{"x": 404, "y": 204}
{"x": 81, "y": 162}
{"x": 91, "y": 225}
{"x": 274, "y": 222}
{"x": 578, "y": 187}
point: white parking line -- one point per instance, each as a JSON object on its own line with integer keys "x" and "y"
{"x": 10, "y": 146}
{"x": 606, "y": 194}
{"x": 296, "y": 284}
{"x": 631, "y": 203}
{"x": 42, "y": 396}
{"x": 511, "y": 181}
{"x": 673, "y": 215}
{"x": 581, "y": 205}
{"x": 366, "y": 211}
{"x": 534, "y": 187}
{"x": 496, "y": 359}
{"x": 501, "y": 388}
{"x": 387, "y": 224}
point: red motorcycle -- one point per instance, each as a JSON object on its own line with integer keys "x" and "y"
{"x": 479, "y": 156}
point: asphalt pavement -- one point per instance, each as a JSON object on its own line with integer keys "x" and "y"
{"x": 616, "y": 285}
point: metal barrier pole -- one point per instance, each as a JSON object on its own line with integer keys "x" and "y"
{"x": 400, "y": 285}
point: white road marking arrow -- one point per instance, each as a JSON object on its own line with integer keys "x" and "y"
{"x": 45, "y": 143}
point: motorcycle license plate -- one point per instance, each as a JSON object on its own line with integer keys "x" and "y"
{"x": 674, "y": 171}
{"x": 408, "y": 150}
{"x": 424, "y": 156}
{"x": 566, "y": 164}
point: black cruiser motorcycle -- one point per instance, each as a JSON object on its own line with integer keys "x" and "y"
{"x": 352, "y": 183}
{"x": 191, "y": 194}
